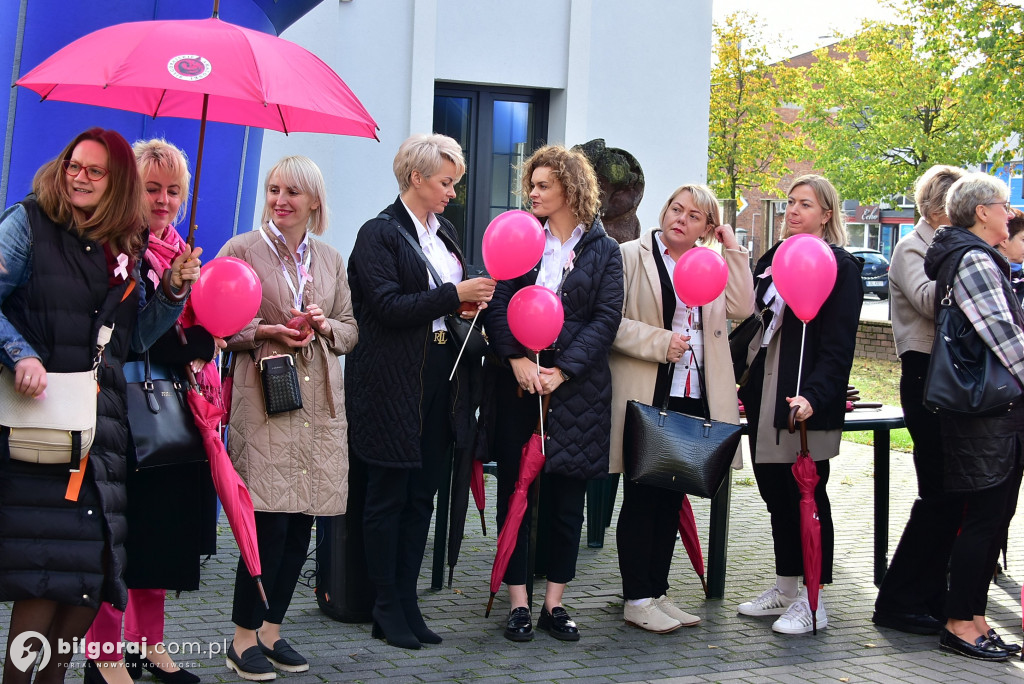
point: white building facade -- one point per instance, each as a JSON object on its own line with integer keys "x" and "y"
{"x": 504, "y": 77}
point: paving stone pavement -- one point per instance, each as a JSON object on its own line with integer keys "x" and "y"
{"x": 725, "y": 647}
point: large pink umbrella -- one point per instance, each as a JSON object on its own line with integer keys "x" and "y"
{"x": 691, "y": 541}
{"x": 204, "y": 69}
{"x": 806, "y": 475}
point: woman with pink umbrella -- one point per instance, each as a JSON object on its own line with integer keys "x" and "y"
{"x": 171, "y": 509}
{"x": 816, "y": 358}
{"x": 583, "y": 265}
{"x": 659, "y": 329}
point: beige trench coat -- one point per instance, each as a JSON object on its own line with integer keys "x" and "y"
{"x": 642, "y": 341}
{"x": 295, "y": 462}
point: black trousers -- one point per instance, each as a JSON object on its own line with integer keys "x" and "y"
{"x": 283, "y": 540}
{"x": 400, "y": 501}
{"x": 916, "y": 579}
{"x": 562, "y": 497}
{"x": 781, "y": 495}
{"x": 647, "y": 529}
{"x": 976, "y": 548}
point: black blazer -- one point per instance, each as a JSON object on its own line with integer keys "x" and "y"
{"x": 394, "y": 308}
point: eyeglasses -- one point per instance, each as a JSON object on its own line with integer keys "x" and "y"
{"x": 1005, "y": 205}
{"x": 93, "y": 173}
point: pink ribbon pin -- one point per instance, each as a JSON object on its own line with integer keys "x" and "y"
{"x": 122, "y": 266}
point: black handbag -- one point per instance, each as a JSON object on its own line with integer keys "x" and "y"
{"x": 458, "y": 327}
{"x": 676, "y": 451}
{"x": 742, "y": 336}
{"x": 964, "y": 376}
{"x": 163, "y": 430}
{"x": 280, "y": 382}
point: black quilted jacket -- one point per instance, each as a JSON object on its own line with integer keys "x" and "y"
{"x": 383, "y": 374}
{"x": 579, "y": 420}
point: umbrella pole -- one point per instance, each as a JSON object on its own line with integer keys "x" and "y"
{"x": 191, "y": 240}
{"x": 463, "y": 348}
{"x": 263, "y": 594}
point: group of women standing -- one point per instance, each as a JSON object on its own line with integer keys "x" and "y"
{"x": 76, "y": 258}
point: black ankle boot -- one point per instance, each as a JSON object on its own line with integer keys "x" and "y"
{"x": 419, "y": 628}
{"x": 389, "y": 620}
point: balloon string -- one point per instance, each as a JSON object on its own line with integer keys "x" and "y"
{"x": 464, "y": 343}
{"x": 540, "y": 403}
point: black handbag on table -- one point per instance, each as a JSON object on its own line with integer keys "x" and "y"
{"x": 163, "y": 430}
{"x": 964, "y": 376}
{"x": 671, "y": 450}
{"x": 280, "y": 382}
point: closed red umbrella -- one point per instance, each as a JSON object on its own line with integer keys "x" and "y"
{"x": 806, "y": 475}
{"x": 476, "y": 485}
{"x": 205, "y": 69}
{"x": 530, "y": 464}
{"x": 691, "y": 541}
{"x": 233, "y": 494}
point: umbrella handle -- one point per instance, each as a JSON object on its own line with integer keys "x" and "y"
{"x": 803, "y": 428}
{"x": 169, "y": 292}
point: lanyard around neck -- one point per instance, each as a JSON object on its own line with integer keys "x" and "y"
{"x": 301, "y": 269}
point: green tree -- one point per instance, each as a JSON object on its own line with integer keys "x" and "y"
{"x": 885, "y": 105}
{"x": 751, "y": 141}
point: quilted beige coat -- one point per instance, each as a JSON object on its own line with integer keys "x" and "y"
{"x": 642, "y": 341}
{"x": 294, "y": 462}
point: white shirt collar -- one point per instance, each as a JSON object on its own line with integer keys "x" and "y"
{"x": 302, "y": 245}
{"x": 429, "y": 230}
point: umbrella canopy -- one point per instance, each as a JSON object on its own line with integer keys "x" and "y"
{"x": 204, "y": 69}
{"x": 476, "y": 485}
{"x": 167, "y": 68}
{"x": 691, "y": 541}
{"x": 806, "y": 475}
{"x": 233, "y": 494}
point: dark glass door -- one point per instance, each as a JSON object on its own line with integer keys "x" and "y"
{"x": 498, "y": 129}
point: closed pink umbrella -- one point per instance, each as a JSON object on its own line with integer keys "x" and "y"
{"x": 203, "y": 69}
{"x": 691, "y": 540}
{"x": 806, "y": 475}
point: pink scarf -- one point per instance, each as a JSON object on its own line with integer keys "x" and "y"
{"x": 159, "y": 255}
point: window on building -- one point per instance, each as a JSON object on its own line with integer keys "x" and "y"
{"x": 497, "y": 128}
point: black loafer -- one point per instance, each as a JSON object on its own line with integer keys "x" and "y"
{"x": 519, "y": 626}
{"x": 283, "y": 656}
{"x": 251, "y": 665}
{"x": 558, "y": 624}
{"x": 981, "y": 649}
{"x": 912, "y": 623}
{"x": 998, "y": 641}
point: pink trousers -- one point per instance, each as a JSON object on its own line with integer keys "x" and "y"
{"x": 143, "y": 622}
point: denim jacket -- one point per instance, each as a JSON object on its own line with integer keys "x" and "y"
{"x": 154, "y": 318}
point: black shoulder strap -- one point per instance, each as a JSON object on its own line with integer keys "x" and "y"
{"x": 415, "y": 245}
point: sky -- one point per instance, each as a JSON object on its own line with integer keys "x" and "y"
{"x": 805, "y": 24}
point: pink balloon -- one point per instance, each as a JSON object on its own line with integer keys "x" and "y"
{"x": 535, "y": 317}
{"x": 226, "y": 296}
{"x": 700, "y": 276}
{"x": 804, "y": 272}
{"x": 513, "y": 244}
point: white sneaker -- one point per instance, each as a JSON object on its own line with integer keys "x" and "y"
{"x": 797, "y": 620}
{"x": 673, "y": 611}
{"x": 771, "y": 602}
{"x": 647, "y": 616}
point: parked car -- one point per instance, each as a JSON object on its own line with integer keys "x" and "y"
{"x": 875, "y": 275}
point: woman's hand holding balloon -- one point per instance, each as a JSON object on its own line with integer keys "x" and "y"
{"x": 476, "y": 289}
{"x": 804, "y": 409}
{"x": 30, "y": 377}
{"x": 529, "y": 375}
